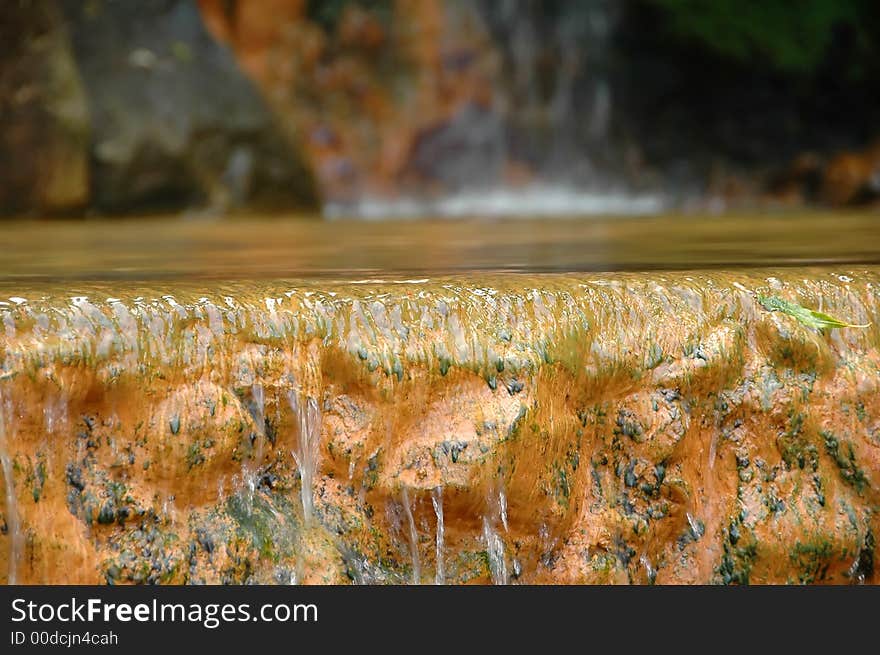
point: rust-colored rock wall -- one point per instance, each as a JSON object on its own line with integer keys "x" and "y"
{"x": 366, "y": 86}
{"x": 647, "y": 428}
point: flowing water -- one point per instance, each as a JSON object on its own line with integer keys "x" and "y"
{"x": 437, "y": 502}
{"x": 495, "y": 553}
{"x": 241, "y": 324}
{"x": 11, "y": 503}
{"x": 413, "y": 534}
{"x": 308, "y": 446}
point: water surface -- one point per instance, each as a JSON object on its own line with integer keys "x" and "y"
{"x": 284, "y": 247}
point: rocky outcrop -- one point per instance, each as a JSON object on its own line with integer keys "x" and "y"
{"x": 120, "y": 107}
{"x": 644, "y": 427}
{"x": 174, "y": 122}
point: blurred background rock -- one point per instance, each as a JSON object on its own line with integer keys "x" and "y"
{"x": 217, "y": 106}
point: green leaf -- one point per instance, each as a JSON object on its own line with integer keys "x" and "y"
{"x": 809, "y": 317}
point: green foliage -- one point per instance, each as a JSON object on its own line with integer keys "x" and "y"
{"x": 789, "y": 35}
{"x": 809, "y": 317}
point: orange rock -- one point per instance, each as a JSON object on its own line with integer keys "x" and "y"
{"x": 567, "y": 429}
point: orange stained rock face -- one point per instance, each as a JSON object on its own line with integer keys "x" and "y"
{"x": 253, "y": 29}
{"x": 338, "y": 88}
{"x": 564, "y": 428}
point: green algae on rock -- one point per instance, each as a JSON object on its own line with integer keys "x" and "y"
{"x": 638, "y": 427}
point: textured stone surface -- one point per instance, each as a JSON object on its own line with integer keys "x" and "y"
{"x": 568, "y": 428}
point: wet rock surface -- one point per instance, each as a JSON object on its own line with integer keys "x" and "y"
{"x": 557, "y": 428}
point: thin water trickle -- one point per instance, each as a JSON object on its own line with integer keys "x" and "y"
{"x": 649, "y": 570}
{"x": 259, "y": 404}
{"x": 259, "y": 420}
{"x": 12, "y": 518}
{"x": 308, "y": 447}
{"x": 437, "y": 501}
{"x": 251, "y": 487}
{"x": 413, "y": 538}
{"x": 496, "y": 554}
{"x": 55, "y": 413}
{"x": 502, "y": 502}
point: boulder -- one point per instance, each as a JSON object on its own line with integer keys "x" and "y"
{"x": 174, "y": 122}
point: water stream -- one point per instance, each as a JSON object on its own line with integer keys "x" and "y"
{"x": 413, "y": 535}
{"x": 13, "y": 525}
{"x": 308, "y": 447}
{"x": 437, "y": 501}
{"x": 496, "y": 553}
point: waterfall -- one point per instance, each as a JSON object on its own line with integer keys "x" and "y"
{"x": 551, "y": 117}
{"x": 556, "y": 91}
